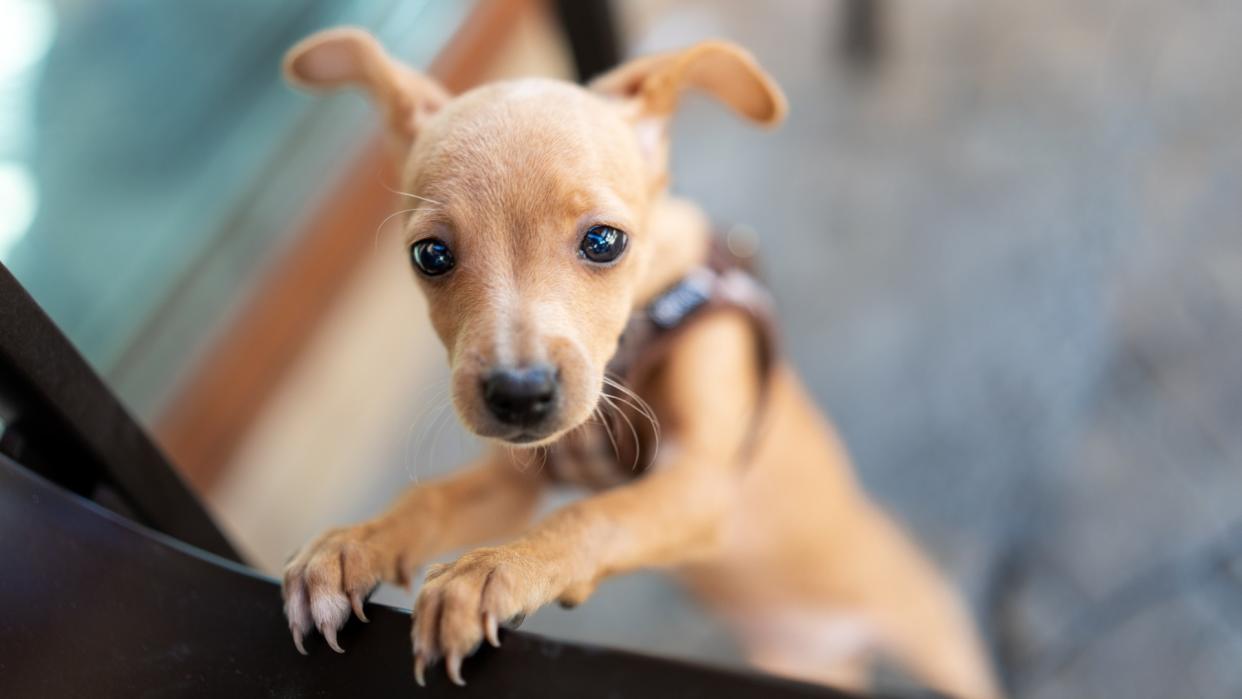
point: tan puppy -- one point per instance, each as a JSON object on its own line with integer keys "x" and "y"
{"x": 543, "y": 224}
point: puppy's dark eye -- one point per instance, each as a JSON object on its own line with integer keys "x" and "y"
{"x": 603, "y": 244}
{"x": 432, "y": 256}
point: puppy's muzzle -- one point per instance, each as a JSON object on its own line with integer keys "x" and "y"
{"x": 522, "y": 397}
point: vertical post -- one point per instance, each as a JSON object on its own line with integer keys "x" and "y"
{"x": 591, "y": 30}
{"x": 862, "y": 31}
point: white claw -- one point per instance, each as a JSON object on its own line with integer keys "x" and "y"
{"x": 329, "y": 634}
{"x": 419, "y": 668}
{"x": 452, "y": 664}
{"x": 492, "y": 629}
{"x": 297, "y": 641}
{"x": 298, "y": 614}
{"x": 355, "y": 600}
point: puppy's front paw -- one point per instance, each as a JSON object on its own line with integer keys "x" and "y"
{"x": 325, "y": 579}
{"x": 464, "y": 602}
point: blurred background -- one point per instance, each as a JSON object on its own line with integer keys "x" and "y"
{"x": 1005, "y": 237}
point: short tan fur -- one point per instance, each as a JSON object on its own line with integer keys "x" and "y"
{"x": 782, "y": 543}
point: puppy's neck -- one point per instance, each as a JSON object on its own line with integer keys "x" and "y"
{"x": 680, "y": 234}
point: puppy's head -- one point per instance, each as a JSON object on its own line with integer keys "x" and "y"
{"x": 528, "y": 233}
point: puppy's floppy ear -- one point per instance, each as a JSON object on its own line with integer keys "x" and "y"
{"x": 726, "y": 71}
{"x": 348, "y": 56}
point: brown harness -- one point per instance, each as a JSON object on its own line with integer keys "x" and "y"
{"x": 619, "y": 443}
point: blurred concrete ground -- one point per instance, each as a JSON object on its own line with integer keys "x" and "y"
{"x": 1009, "y": 261}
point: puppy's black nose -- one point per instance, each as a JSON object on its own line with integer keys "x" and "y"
{"x": 521, "y": 396}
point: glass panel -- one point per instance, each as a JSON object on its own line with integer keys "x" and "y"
{"x": 152, "y": 160}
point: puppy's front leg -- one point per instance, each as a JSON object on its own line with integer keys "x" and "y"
{"x": 664, "y": 518}
{"x": 336, "y": 571}
{"x": 671, "y": 515}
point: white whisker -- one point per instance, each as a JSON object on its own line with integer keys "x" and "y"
{"x": 607, "y": 430}
{"x": 411, "y": 195}
{"x": 639, "y": 403}
{"x": 521, "y": 467}
{"x": 633, "y": 430}
{"x": 438, "y": 427}
{"x": 643, "y": 408}
{"x": 436, "y": 404}
{"x": 380, "y": 228}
